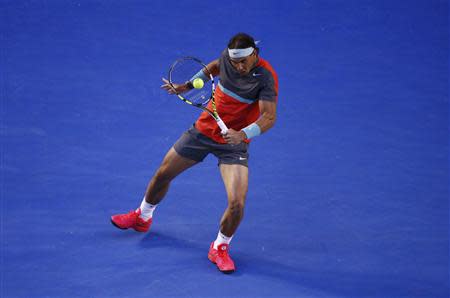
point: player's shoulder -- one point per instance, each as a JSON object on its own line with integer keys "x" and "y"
{"x": 267, "y": 72}
{"x": 266, "y": 68}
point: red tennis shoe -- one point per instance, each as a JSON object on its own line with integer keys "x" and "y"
{"x": 221, "y": 258}
{"x": 131, "y": 220}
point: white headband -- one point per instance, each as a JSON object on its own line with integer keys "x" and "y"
{"x": 240, "y": 53}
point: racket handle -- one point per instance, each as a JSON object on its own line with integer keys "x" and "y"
{"x": 223, "y": 127}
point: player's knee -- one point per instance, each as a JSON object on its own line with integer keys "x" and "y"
{"x": 236, "y": 208}
{"x": 163, "y": 175}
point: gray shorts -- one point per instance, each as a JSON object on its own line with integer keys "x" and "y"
{"x": 196, "y": 146}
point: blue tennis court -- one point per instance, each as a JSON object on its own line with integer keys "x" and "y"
{"x": 348, "y": 194}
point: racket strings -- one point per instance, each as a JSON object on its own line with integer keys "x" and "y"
{"x": 181, "y": 72}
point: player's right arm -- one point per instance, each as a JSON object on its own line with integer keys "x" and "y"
{"x": 213, "y": 68}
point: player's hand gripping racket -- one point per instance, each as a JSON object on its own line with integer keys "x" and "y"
{"x": 194, "y": 91}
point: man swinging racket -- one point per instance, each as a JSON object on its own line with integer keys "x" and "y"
{"x": 245, "y": 99}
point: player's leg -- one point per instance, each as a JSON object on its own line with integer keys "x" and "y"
{"x": 173, "y": 164}
{"x": 185, "y": 153}
{"x": 235, "y": 178}
{"x": 233, "y": 162}
{"x": 141, "y": 219}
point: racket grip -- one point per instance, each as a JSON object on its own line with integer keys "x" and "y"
{"x": 223, "y": 127}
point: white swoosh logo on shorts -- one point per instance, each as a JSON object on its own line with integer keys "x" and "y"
{"x": 257, "y": 74}
{"x": 242, "y": 158}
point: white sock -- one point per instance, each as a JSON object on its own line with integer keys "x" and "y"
{"x": 147, "y": 210}
{"x": 221, "y": 239}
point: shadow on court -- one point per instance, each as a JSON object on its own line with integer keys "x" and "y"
{"x": 291, "y": 273}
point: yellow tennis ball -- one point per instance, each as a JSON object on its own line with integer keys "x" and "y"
{"x": 198, "y": 83}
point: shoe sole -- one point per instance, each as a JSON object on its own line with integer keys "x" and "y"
{"x": 137, "y": 230}
{"x": 223, "y": 271}
{"x": 114, "y": 224}
{"x": 226, "y": 271}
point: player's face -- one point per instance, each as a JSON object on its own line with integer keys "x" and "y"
{"x": 244, "y": 65}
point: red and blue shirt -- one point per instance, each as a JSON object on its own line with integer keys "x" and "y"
{"x": 237, "y": 97}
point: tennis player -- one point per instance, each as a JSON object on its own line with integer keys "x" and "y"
{"x": 246, "y": 99}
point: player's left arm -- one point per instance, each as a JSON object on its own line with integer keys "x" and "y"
{"x": 268, "y": 114}
{"x": 268, "y": 111}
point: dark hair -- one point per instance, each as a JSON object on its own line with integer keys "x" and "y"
{"x": 242, "y": 41}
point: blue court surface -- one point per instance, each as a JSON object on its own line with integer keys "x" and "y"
{"x": 348, "y": 193}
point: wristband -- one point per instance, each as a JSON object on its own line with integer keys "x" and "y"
{"x": 251, "y": 131}
{"x": 200, "y": 75}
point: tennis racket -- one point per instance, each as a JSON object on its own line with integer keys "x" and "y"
{"x": 181, "y": 80}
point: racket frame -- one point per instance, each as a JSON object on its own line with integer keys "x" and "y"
{"x": 213, "y": 113}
